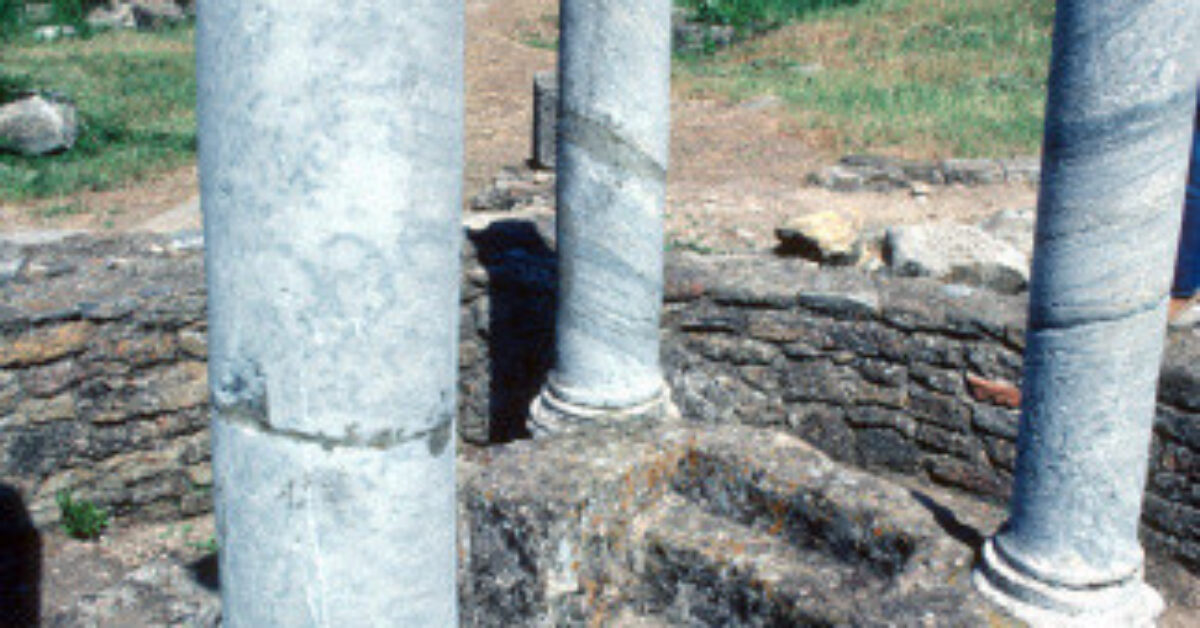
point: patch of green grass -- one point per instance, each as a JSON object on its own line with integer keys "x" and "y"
{"x": 12, "y": 18}
{"x": 66, "y": 209}
{"x": 541, "y": 33}
{"x": 534, "y": 40}
{"x": 756, "y": 15}
{"x": 675, "y": 244}
{"x": 136, "y": 97}
{"x": 81, "y": 519}
{"x": 915, "y": 77}
{"x": 208, "y": 546}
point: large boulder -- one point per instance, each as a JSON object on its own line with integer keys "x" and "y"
{"x": 38, "y": 124}
{"x": 153, "y": 14}
{"x": 956, "y": 253}
{"x": 140, "y": 14}
{"x": 1014, "y": 226}
{"x": 115, "y": 15}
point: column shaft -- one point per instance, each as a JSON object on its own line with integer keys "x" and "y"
{"x": 614, "y": 78}
{"x": 330, "y": 162}
{"x": 1121, "y": 97}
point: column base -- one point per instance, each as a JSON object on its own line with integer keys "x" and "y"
{"x": 549, "y": 414}
{"x": 1129, "y": 603}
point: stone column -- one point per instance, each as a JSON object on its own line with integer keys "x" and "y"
{"x": 330, "y": 162}
{"x": 1122, "y": 92}
{"x": 614, "y": 121}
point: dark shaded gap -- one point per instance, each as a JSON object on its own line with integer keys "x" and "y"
{"x": 20, "y": 563}
{"x": 522, "y": 282}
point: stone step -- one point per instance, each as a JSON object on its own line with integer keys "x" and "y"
{"x": 707, "y": 526}
{"x": 760, "y": 530}
{"x": 699, "y": 569}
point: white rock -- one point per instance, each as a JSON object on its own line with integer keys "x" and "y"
{"x": 140, "y": 14}
{"x": 956, "y": 253}
{"x": 1014, "y": 226}
{"x": 52, "y": 32}
{"x": 38, "y": 124}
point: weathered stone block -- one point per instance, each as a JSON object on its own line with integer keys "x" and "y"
{"x": 825, "y": 427}
{"x": 871, "y": 416}
{"x": 935, "y": 350}
{"x": 734, "y": 350}
{"x": 886, "y": 448}
{"x": 35, "y": 410}
{"x": 822, "y": 381}
{"x": 935, "y": 379}
{"x": 1001, "y": 452}
{"x": 545, "y": 119}
{"x": 942, "y": 441}
{"x": 148, "y": 350}
{"x": 10, "y": 391}
{"x": 783, "y": 327}
{"x": 994, "y": 361}
{"x": 51, "y": 379}
{"x": 941, "y": 410}
{"x": 974, "y": 478}
{"x": 883, "y": 373}
{"x": 46, "y": 344}
{"x": 867, "y": 339}
{"x": 183, "y": 385}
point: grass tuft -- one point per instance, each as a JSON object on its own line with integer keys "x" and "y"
{"x": 81, "y": 519}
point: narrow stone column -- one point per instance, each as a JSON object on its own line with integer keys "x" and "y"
{"x": 1122, "y": 92}
{"x": 614, "y": 125}
{"x": 330, "y": 162}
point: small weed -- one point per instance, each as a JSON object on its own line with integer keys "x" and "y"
{"x": 541, "y": 34}
{"x": 689, "y": 245}
{"x": 81, "y": 519}
{"x": 58, "y": 211}
{"x": 534, "y": 40}
{"x": 208, "y": 546}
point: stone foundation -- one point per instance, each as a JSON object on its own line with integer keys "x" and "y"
{"x": 102, "y": 379}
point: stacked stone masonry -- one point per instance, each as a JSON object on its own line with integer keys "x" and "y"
{"x": 103, "y": 388}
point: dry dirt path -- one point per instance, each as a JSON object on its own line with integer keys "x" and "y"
{"x": 737, "y": 170}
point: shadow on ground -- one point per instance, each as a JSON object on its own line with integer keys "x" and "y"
{"x": 520, "y": 264}
{"x": 20, "y": 562}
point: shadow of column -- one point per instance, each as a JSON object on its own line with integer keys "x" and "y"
{"x": 20, "y": 563}
{"x": 520, "y": 337}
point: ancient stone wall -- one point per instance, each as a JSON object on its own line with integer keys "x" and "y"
{"x": 102, "y": 376}
{"x": 102, "y": 381}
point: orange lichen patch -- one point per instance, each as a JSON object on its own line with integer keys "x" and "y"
{"x": 146, "y": 350}
{"x": 779, "y": 513}
{"x": 46, "y": 345}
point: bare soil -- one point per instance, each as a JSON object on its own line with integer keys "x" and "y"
{"x": 737, "y": 170}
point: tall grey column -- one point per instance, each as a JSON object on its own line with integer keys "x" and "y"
{"x": 330, "y": 161}
{"x": 614, "y": 126}
{"x": 1118, "y": 127}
